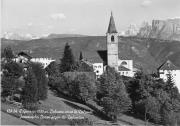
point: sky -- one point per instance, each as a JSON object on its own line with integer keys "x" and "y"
{"x": 89, "y": 17}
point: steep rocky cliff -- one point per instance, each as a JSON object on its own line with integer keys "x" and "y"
{"x": 162, "y": 29}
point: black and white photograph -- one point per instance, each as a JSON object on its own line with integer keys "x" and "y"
{"x": 90, "y": 62}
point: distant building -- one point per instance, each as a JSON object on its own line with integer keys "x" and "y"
{"x": 169, "y": 68}
{"x": 23, "y": 57}
{"x": 44, "y": 61}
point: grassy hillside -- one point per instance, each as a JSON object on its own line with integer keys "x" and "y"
{"x": 146, "y": 53}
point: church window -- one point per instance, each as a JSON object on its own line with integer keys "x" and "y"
{"x": 124, "y": 63}
{"x": 112, "y": 38}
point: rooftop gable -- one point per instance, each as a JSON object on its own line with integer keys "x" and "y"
{"x": 168, "y": 65}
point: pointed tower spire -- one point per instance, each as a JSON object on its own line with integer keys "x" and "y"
{"x": 111, "y": 27}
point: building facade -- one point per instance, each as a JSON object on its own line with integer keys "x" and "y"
{"x": 44, "y": 61}
{"x": 168, "y": 68}
{"x": 124, "y": 67}
{"x": 24, "y": 58}
{"x": 112, "y": 44}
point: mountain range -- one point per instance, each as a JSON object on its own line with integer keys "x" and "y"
{"x": 146, "y": 53}
{"x": 161, "y": 29}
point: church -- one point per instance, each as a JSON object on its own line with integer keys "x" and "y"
{"x": 122, "y": 66}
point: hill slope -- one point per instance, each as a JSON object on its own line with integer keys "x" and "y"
{"x": 146, "y": 53}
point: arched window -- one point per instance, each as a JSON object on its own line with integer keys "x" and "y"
{"x": 124, "y": 63}
{"x": 112, "y": 38}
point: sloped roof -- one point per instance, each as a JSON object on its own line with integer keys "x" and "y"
{"x": 111, "y": 27}
{"x": 122, "y": 68}
{"x": 24, "y": 54}
{"x": 95, "y": 60}
{"x": 168, "y": 65}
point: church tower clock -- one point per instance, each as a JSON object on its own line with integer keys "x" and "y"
{"x": 112, "y": 44}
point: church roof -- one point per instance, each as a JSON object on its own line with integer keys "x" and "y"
{"x": 122, "y": 68}
{"x": 95, "y": 60}
{"x": 111, "y": 27}
{"x": 168, "y": 65}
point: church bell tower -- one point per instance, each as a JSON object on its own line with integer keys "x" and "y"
{"x": 112, "y": 44}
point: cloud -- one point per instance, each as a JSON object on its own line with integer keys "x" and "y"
{"x": 146, "y": 3}
{"x": 58, "y": 16}
{"x": 72, "y": 30}
{"x": 29, "y": 24}
{"x": 49, "y": 26}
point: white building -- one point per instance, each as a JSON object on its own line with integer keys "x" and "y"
{"x": 97, "y": 65}
{"x": 125, "y": 68}
{"x": 44, "y": 61}
{"x": 24, "y": 58}
{"x": 98, "y": 69}
{"x": 169, "y": 68}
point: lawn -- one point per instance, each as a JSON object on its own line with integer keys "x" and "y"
{"x": 60, "y": 104}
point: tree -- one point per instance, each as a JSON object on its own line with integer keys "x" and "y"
{"x": 113, "y": 96}
{"x": 42, "y": 81}
{"x": 10, "y": 79}
{"x": 59, "y": 82}
{"x": 80, "y": 56}
{"x": 13, "y": 69}
{"x": 30, "y": 91}
{"x": 67, "y": 62}
{"x": 9, "y": 86}
{"x": 169, "y": 84}
{"x": 8, "y": 53}
{"x": 52, "y": 68}
{"x": 84, "y": 67}
{"x": 83, "y": 88}
{"x": 153, "y": 99}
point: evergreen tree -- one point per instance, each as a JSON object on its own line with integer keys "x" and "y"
{"x": 170, "y": 83}
{"x": 67, "y": 62}
{"x": 42, "y": 81}
{"x": 112, "y": 94}
{"x": 8, "y": 53}
{"x": 80, "y": 56}
{"x": 30, "y": 91}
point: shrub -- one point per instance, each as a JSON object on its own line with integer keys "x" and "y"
{"x": 59, "y": 82}
{"x": 10, "y": 86}
{"x": 81, "y": 122}
{"x": 13, "y": 69}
